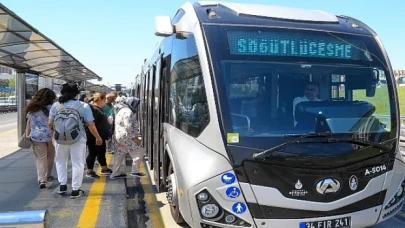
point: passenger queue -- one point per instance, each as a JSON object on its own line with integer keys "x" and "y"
{"x": 72, "y": 126}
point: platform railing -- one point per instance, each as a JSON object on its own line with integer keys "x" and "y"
{"x": 24, "y": 219}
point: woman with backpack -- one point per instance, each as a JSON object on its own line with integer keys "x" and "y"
{"x": 66, "y": 121}
{"x": 103, "y": 128}
{"x": 125, "y": 138}
{"x": 37, "y": 130}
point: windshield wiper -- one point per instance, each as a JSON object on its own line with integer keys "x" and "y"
{"x": 359, "y": 142}
{"x": 296, "y": 140}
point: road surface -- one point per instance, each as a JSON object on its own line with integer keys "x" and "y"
{"x": 8, "y": 122}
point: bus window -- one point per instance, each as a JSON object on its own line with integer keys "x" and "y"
{"x": 187, "y": 91}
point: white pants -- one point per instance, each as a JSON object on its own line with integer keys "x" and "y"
{"x": 77, "y": 153}
{"x": 136, "y": 156}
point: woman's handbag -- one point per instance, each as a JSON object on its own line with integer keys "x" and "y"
{"x": 24, "y": 142}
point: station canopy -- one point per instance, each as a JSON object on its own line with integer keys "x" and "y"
{"x": 25, "y": 49}
{"x": 97, "y": 88}
{"x": 186, "y": 68}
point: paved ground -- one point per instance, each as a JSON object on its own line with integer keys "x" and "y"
{"x": 104, "y": 206}
{"x": 138, "y": 212}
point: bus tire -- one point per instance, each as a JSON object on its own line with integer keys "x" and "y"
{"x": 172, "y": 196}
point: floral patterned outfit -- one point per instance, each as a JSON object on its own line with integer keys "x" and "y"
{"x": 39, "y": 126}
{"x": 126, "y": 130}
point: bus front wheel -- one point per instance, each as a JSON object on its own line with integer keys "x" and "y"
{"x": 172, "y": 196}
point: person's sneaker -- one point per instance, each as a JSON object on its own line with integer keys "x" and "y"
{"x": 77, "y": 193}
{"x": 106, "y": 172}
{"x": 137, "y": 174}
{"x": 42, "y": 185}
{"x": 122, "y": 175}
{"x": 92, "y": 174}
{"x": 62, "y": 189}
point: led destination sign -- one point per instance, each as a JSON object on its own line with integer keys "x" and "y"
{"x": 294, "y": 44}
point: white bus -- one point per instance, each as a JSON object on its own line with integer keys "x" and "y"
{"x": 266, "y": 116}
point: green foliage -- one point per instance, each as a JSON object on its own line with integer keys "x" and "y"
{"x": 380, "y": 100}
{"x": 3, "y": 82}
{"x": 11, "y": 82}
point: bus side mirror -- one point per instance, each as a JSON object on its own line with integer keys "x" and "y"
{"x": 164, "y": 26}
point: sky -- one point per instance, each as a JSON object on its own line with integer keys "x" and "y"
{"x": 112, "y": 38}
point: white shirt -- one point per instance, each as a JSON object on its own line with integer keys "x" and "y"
{"x": 299, "y": 100}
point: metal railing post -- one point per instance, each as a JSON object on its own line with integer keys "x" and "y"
{"x": 20, "y": 87}
{"x": 26, "y": 219}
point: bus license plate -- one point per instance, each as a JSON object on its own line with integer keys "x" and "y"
{"x": 345, "y": 222}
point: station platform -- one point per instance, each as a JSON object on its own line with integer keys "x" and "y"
{"x": 103, "y": 206}
{"x": 120, "y": 203}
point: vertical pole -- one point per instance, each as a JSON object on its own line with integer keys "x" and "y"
{"x": 20, "y": 87}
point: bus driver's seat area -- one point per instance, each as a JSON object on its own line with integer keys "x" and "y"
{"x": 305, "y": 120}
{"x": 308, "y": 120}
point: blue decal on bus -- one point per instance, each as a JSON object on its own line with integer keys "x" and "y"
{"x": 228, "y": 178}
{"x": 239, "y": 208}
{"x": 233, "y": 192}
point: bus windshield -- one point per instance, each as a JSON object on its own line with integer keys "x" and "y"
{"x": 280, "y": 83}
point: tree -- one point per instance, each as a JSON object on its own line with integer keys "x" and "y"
{"x": 3, "y": 82}
{"x": 11, "y": 82}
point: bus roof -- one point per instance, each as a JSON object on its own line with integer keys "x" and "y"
{"x": 211, "y": 12}
{"x": 271, "y": 11}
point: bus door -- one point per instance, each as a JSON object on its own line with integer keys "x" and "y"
{"x": 143, "y": 103}
{"x": 165, "y": 109}
{"x": 150, "y": 116}
{"x": 157, "y": 122}
{"x": 146, "y": 112}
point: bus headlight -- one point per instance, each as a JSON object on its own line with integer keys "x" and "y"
{"x": 399, "y": 195}
{"x": 396, "y": 201}
{"x": 211, "y": 211}
{"x": 230, "y": 219}
{"x": 400, "y": 191}
{"x": 203, "y": 196}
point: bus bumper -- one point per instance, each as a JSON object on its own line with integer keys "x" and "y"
{"x": 219, "y": 200}
{"x": 360, "y": 219}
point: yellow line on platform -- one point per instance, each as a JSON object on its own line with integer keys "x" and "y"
{"x": 150, "y": 199}
{"x": 8, "y": 132}
{"x": 89, "y": 215}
